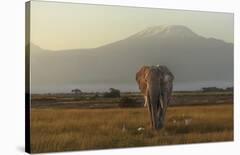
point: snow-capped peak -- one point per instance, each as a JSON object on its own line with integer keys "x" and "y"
{"x": 166, "y": 31}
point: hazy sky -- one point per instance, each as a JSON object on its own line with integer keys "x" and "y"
{"x": 67, "y": 25}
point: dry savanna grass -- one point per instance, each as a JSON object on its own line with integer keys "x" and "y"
{"x": 55, "y": 130}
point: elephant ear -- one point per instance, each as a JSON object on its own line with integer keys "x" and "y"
{"x": 166, "y": 88}
{"x": 167, "y": 75}
{"x": 141, "y": 78}
{"x": 168, "y": 78}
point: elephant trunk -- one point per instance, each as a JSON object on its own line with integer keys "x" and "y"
{"x": 156, "y": 104}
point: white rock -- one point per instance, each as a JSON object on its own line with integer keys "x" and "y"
{"x": 187, "y": 121}
{"x": 140, "y": 129}
{"x": 123, "y": 128}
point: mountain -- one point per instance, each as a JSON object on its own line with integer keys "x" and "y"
{"x": 191, "y": 58}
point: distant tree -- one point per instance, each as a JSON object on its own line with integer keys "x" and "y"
{"x": 212, "y": 89}
{"x": 229, "y": 89}
{"x": 96, "y": 95}
{"x": 76, "y": 91}
{"x": 112, "y": 93}
{"x": 129, "y": 102}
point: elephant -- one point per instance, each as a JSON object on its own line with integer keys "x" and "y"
{"x": 156, "y": 84}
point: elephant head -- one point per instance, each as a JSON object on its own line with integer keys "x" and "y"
{"x": 155, "y": 83}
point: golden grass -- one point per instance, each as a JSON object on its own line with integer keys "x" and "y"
{"x": 55, "y": 130}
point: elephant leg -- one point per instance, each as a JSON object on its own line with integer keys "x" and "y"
{"x": 163, "y": 111}
{"x": 165, "y": 102}
{"x": 154, "y": 115}
{"x": 150, "y": 113}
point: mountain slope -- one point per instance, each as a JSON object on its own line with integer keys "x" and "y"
{"x": 190, "y": 56}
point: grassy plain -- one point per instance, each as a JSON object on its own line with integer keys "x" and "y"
{"x": 69, "y": 129}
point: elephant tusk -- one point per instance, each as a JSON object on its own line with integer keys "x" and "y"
{"x": 146, "y": 101}
{"x": 161, "y": 103}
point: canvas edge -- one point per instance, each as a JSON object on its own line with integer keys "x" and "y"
{"x": 27, "y": 77}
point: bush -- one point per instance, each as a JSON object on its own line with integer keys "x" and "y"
{"x": 113, "y": 93}
{"x": 128, "y": 102}
{"x": 76, "y": 91}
